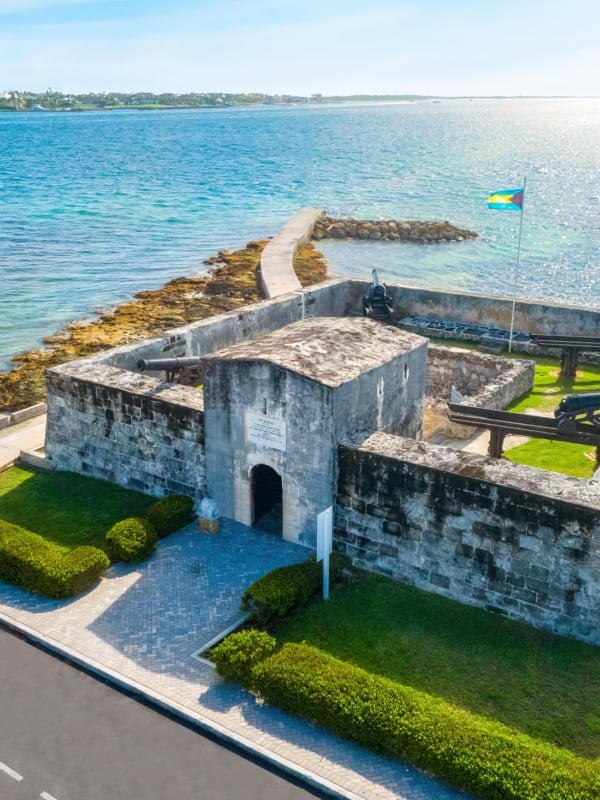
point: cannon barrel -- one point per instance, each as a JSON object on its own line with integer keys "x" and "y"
{"x": 574, "y": 404}
{"x": 170, "y": 364}
{"x": 377, "y": 304}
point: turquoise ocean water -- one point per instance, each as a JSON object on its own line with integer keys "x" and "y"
{"x": 97, "y": 206}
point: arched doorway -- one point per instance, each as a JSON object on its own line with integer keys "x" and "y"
{"x": 267, "y": 499}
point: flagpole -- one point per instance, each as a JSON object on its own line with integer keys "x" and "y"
{"x": 514, "y": 301}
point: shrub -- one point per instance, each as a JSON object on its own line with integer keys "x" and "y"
{"x": 75, "y": 572}
{"x": 483, "y": 757}
{"x": 279, "y": 591}
{"x": 171, "y": 513}
{"x": 28, "y": 560}
{"x": 236, "y": 655}
{"x": 131, "y": 540}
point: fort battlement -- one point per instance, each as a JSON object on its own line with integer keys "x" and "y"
{"x": 305, "y": 399}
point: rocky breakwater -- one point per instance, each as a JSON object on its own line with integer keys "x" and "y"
{"x": 389, "y": 230}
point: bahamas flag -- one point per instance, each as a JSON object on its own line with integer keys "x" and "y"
{"x": 507, "y": 200}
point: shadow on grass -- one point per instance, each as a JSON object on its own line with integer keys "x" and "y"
{"x": 66, "y": 509}
{"x": 542, "y": 685}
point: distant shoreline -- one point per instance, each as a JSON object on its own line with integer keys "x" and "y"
{"x": 35, "y": 103}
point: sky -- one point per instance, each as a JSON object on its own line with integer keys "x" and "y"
{"x": 332, "y": 47}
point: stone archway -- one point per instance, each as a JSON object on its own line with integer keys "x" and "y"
{"x": 267, "y": 499}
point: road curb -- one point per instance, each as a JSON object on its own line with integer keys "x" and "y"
{"x": 195, "y": 720}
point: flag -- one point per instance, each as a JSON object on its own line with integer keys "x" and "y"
{"x": 506, "y": 200}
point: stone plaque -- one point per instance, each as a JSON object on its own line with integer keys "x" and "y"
{"x": 265, "y": 431}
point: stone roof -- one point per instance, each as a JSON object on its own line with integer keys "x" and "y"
{"x": 329, "y": 350}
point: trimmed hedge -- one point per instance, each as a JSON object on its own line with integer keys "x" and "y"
{"x": 279, "y": 591}
{"x": 132, "y": 539}
{"x": 28, "y": 560}
{"x": 476, "y": 754}
{"x": 236, "y": 655}
{"x": 169, "y": 514}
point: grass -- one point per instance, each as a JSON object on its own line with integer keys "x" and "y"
{"x": 545, "y": 686}
{"x": 548, "y": 389}
{"x": 65, "y": 508}
{"x": 577, "y": 460}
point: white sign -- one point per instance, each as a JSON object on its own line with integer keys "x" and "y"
{"x": 324, "y": 533}
{"x": 325, "y": 544}
{"x": 265, "y": 431}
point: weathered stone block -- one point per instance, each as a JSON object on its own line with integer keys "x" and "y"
{"x": 439, "y": 580}
{"x": 515, "y": 579}
{"x": 541, "y": 573}
{"x": 483, "y": 556}
{"x": 498, "y": 576}
{"x": 536, "y": 585}
{"x": 392, "y": 528}
{"x": 529, "y": 543}
{"x": 465, "y": 550}
{"x": 375, "y": 510}
{"x": 495, "y": 609}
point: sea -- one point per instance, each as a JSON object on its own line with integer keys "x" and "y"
{"x": 96, "y": 206}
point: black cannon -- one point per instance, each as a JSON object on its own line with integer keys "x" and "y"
{"x": 377, "y": 304}
{"x": 188, "y": 369}
{"x": 573, "y": 408}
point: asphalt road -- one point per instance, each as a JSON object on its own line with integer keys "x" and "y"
{"x": 68, "y": 736}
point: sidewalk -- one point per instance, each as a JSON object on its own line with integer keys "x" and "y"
{"x": 27, "y": 435}
{"x": 141, "y": 625}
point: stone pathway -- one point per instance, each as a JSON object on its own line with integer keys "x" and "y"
{"x": 27, "y": 435}
{"x": 141, "y": 624}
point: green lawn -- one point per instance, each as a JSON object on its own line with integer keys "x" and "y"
{"x": 543, "y": 685}
{"x": 578, "y": 460}
{"x": 548, "y": 388}
{"x": 66, "y": 508}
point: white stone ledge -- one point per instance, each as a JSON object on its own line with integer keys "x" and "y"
{"x": 8, "y": 420}
{"x": 35, "y": 459}
{"x": 583, "y": 492}
{"x": 277, "y": 274}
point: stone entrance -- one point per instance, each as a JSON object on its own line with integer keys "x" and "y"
{"x": 275, "y": 408}
{"x": 266, "y": 499}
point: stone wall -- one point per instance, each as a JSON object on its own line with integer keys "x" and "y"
{"x": 485, "y": 381}
{"x": 120, "y": 428}
{"x": 327, "y": 299}
{"x": 515, "y": 540}
{"x": 548, "y": 318}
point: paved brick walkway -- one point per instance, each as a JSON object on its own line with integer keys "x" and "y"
{"x": 142, "y": 624}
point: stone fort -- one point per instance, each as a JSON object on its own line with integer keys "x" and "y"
{"x": 304, "y": 404}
